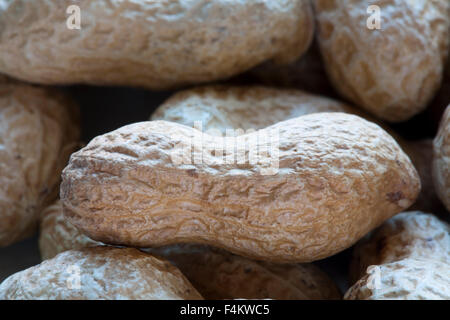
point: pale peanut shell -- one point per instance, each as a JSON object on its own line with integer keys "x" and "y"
{"x": 105, "y": 274}
{"x": 393, "y": 72}
{"x": 154, "y": 44}
{"x": 414, "y": 235}
{"x": 339, "y": 177}
{"x": 38, "y": 131}
{"x": 220, "y": 107}
{"x": 408, "y": 279}
{"x": 220, "y": 275}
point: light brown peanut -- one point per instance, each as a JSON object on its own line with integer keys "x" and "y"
{"x": 393, "y": 72}
{"x": 105, "y": 273}
{"x": 339, "y": 177}
{"x": 154, "y": 44}
{"x": 220, "y": 107}
{"x": 38, "y": 131}
{"x": 412, "y": 254}
{"x": 220, "y": 275}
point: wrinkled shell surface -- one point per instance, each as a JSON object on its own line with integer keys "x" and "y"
{"x": 105, "y": 273}
{"x": 57, "y": 234}
{"x": 154, "y": 44}
{"x": 393, "y": 72}
{"x": 414, "y": 235}
{"x": 339, "y": 177}
{"x": 441, "y": 161}
{"x": 38, "y": 131}
{"x": 407, "y": 279}
{"x": 220, "y": 275}
{"x": 256, "y": 107}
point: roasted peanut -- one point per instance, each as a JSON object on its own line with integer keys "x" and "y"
{"x": 407, "y": 279}
{"x": 393, "y": 72}
{"x": 256, "y": 107}
{"x": 338, "y": 177}
{"x": 97, "y": 274}
{"x": 38, "y": 131}
{"x": 441, "y": 160}
{"x": 154, "y": 44}
{"x": 408, "y": 257}
{"x": 220, "y": 275}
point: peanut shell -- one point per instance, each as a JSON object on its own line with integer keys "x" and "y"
{"x": 339, "y": 176}
{"x": 153, "y": 44}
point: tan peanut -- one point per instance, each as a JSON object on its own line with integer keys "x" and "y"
{"x": 38, "y": 131}
{"x": 220, "y": 275}
{"x": 412, "y": 254}
{"x": 338, "y": 177}
{"x": 407, "y": 279}
{"x": 153, "y": 44}
{"x": 412, "y": 234}
{"x": 393, "y": 72}
{"x": 407, "y": 258}
{"x": 441, "y": 159}
{"x": 100, "y": 273}
{"x": 220, "y": 107}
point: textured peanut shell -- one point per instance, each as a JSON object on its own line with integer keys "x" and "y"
{"x": 441, "y": 160}
{"x": 222, "y": 107}
{"x": 154, "y": 44}
{"x": 339, "y": 177}
{"x": 105, "y": 274}
{"x": 415, "y": 235}
{"x": 393, "y": 72}
{"x": 38, "y": 131}
{"x": 220, "y": 275}
{"x": 407, "y": 279}
{"x": 215, "y": 273}
{"x": 58, "y": 235}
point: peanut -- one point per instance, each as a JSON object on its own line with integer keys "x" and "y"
{"x": 153, "y": 44}
{"x": 97, "y": 274}
{"x": 220, "y": 275}
{"x": 256, "y": 107}
{"x": 407, "y": 279}
{"x": 441, "y": 160}
{"x": 407, "y": 235}
{"x": 339, "y": 177}
{"x": 412, "y": 254}
{"x": 38, "y": 131}
{"x": 392, "y": 72}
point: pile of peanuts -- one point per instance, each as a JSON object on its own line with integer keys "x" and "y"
{"x": 278, "y": 148}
